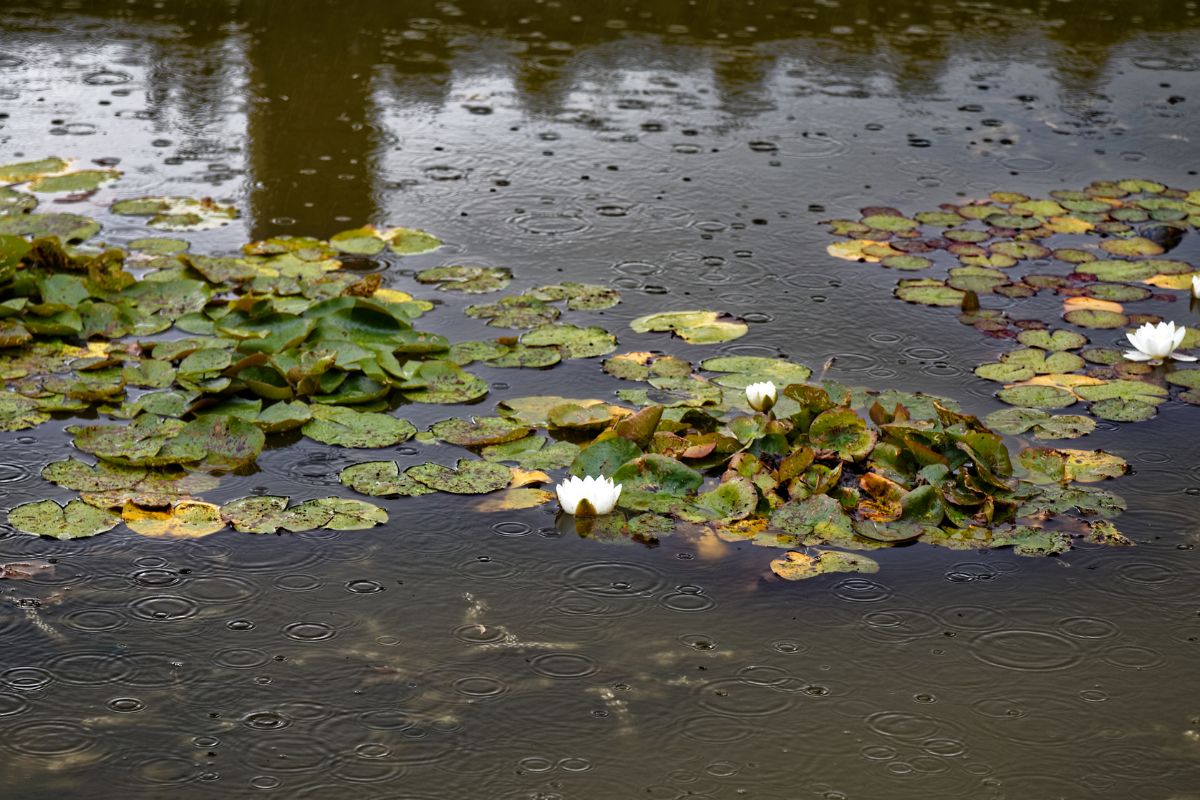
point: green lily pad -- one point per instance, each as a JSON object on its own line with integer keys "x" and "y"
{"x": 1148, "y": 393}
{"x": 818, "y": 519}
{"x": 734, "y": 499}
{"x": 468, "y": 280}
{"x": 410, "y": 241}
{"x": 694, "y": 327}
{"x": 18, "y": 412}
{"x": 978, "y": 279}
{"x": 363, "y": 241}
{"x": 1133, "y": 246}
{"x": 443, "y": 382}
{"x": 177, "y": 213}
{"x": 906, "y": 263}
{"x": 533, "y": 453}
{"x": 604, "y": 457}
{"x": 1044, "y": 465}
{"x": 745, "y": 370}
{"x": 283, "y": 416}
{"x": 159, "y": 246}
{"x": 346, "y": 427}
{"x": 1015, "y": 421}
{"x": 1096, "y": 318}
{"x": 520, "y": 356}
{"x": 1119, "y": 409}
{"x": 468, "y": 477}
{"x": 843, "y": 432}
{"x": 519, "y": 311}
{"x": 1037, "y": 396}
{"x": 381, "y": 479}
{"x": 1118, "y": 292}
{"x": 87, "y": 180}
{"x": 22, "y": 171}
{"x": 929, "y": 292}
{"x": 13, "y": 202}
{"x": 1112, "y": 270}
{"x": 479, "y": 431}
{"x": 579, "y": 296}
{"x": 69, "y": 228}
{"x": 653, "y": 477}
{"x": 270, "y": 514}
{"x": 76, "y": 520}
{"x": 572, "y": 340}
{"x": 464, "y": 353}
{"x": 1053, "y": 340}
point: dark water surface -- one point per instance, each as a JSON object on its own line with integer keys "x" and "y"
{"x": 683, "y": 152}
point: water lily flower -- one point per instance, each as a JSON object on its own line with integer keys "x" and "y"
{"x": 588, "y": 497}
{"x": 1153, "y": 343}
{"x": 761, "y": 396}
{"x": 1196, "y": 286}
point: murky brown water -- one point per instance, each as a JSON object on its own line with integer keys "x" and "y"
{"x": 683, "y": 152}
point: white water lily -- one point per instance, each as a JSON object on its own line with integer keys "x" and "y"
{"x": 600, "y": 493}
{"x": 1153, "y": 343}
{"x": 1196, "y": 285}
{"x": 761, "y": 396}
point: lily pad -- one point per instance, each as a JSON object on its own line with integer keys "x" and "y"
{"x": 929, "y": 292}
{"x": 69, "y": 228}
{"x": 442, "y": 382}
{"x": 533, "y": 452}
{"x": 1036, "y": 396}
{"x": 797, "y": 566}
{"x": 410, "y": 241}
{"x": 1053, "y": 340}
{"x": 87, "y": 180}
{"x": 519, "y": 311}
{"x": 76, "y": 520}
{"x": 1044, "y": 425}
{"x": 1119, "y": 409}
{"x": 381, "y": 479}
{"x": 346, "y": 427}
{"x": 468, "y": 477}
{"x": 694, "y": 327}
{"x": 1133, "y": 246}
{"x": 22, "y": 171}
{"x": 177, "y": 213}
{"x": 187, "y": 519}
{"x": 465, "y": 279}
{"x": 572, "y": 340}
{"x": 1043, "y": 465}
{"x": 745, "y": 370}
{"x": 479, "y": 431}
{"x": 18, "y": 412}
{"x": 514, "y": 500}
{"x": 579, "y": 296}
{"x": 842, "y": 432}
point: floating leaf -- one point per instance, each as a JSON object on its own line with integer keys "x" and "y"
{"x": 579, "y": 296}
{"x": 519, "y": 311}
{"x": 533, "y": 452}
{"x": 1034, "y": 396}
{"x": 270, "y": 514}
{"x": 906, "y": 263}
{"x": 694, "y": 327}
{"x": 479, "y": 431}
{"x": 187, "y": 519}
{"x": 468, "y": 280}
{"x": 76, "y": 520}
{"x": 1044, "y": 425}
{"x": 929, "y": 292}
{"x": 18, "y": 412}
{"x": 442, "y": 382}
{"x": 1056, "y": 340}
{"x": 572, "y": 340}
{"x": 381, "y": 479}
{"x": 796, "y": 566}
{"x": 410, "y": 241}
{"x": 177, "y": 213}
{"x": 842, "y": 432}
{"x": 346, "y": 427}
{"x": 604, "y": 457}
{"x": 28, "y": 170}
{"x": 87, "y": 180}
{"x": 745, "y": 370}
{"x": 69, "y": 228}
{"x": 1061, "y": 466}
{"x": 364, "y": 241}
{"x": 1133, "y": 246}
{"x": 468, "y": 477}
{"x": 1119, "y": 409}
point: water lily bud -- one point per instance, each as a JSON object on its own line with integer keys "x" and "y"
{"x": 588, "y": 496}
{"x": 1196, "y": 286}
{"x": 1153, "y": 343}
{"x": 761, "y": 396}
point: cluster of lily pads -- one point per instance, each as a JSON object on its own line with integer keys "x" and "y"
{"x": 1101, "y": 250}
{"x": 198, "y": 359}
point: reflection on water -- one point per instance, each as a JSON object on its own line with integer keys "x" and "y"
{"x": 684, "y": 152}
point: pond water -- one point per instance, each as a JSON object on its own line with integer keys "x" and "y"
{"x": 683, "y": 152}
